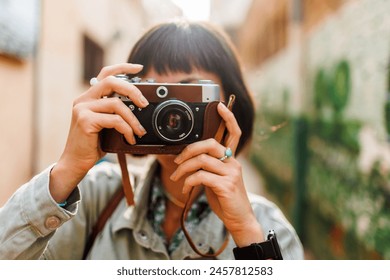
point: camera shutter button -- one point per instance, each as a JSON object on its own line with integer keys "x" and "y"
{"x": 136, "y": 79}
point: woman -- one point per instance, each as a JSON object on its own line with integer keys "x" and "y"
{"x": 53, "y": 222}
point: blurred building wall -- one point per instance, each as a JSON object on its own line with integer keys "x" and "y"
{"x": 18, "y": 39}
{"x": 16, "y": 81}
{"x": 38, "y": 90}
{"x": 60, "y": 60}
{"x": 325, "y": 80}
{"x": 230, "y": 15}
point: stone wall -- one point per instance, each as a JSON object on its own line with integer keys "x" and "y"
{"x": 335, "y": 81}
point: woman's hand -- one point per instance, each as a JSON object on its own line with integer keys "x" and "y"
{"x": 222, "y": 180}
{"x": 91, "y": 113}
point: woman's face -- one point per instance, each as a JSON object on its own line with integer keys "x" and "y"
{"x": 181, "y": 77}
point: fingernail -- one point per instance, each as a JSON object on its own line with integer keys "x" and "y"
{"x": 223, "y": 106}
{"x": 138, "y": 65}
{"x": 177, "y": 159}
{"x": 173, "y": 176}
{"x": 142, "y": 129}
{"x": 144, "y": 101}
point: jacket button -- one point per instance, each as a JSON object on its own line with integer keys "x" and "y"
{"x": 142, "y": 234}
{"x": 52, "y": 222}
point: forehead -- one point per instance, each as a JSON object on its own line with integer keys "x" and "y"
{"x": 182, "y": 77}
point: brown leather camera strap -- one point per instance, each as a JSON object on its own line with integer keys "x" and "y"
{"x": 127, "y": 191}
{"x": 219, "y": 136}
{"x": 127, "y": 188}
{"x": 189, "y": 238}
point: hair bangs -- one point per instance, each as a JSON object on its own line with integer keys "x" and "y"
{"x": 173, "y": 49}
{"x": 184, "y": 46}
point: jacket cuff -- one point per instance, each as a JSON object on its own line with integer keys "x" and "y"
{"x": 39, "y": 208}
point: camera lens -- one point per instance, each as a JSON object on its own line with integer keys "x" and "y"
{"x": 173, "y": 120}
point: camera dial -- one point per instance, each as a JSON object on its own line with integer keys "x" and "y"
{"x": 173, "y": 120}
{"x": 162, "y": 92}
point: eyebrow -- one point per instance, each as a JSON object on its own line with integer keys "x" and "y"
{"x": 189, "y": 80}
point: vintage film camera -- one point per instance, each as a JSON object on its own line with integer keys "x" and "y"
{"x": 177, "y": 115}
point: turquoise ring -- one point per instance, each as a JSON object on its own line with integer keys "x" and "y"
{"x": 228, "y": 154}
{"x": 93, "y": 81}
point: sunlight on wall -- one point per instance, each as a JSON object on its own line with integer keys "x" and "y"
{"x": 194, "y": 10}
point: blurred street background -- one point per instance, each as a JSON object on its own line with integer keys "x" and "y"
{"x": 320, "y": 75}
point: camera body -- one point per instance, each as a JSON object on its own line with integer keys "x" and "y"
{"x": 177, "y": 115}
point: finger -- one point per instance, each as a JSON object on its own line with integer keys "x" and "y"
{"x": 204, "y": 162}
{"x": 111, "y": 84}
{"x": 208, "y": 146}
{"x": 234, "y": 131}
{"x": 204, "y": 178}
{"x": 122, "y": 68}
{"x": 115, "y": 106}
{"x": 116, "y": 122}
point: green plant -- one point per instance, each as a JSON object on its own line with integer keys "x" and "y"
{"x": 340, "y": 89}
{"x": 321, "y": 90}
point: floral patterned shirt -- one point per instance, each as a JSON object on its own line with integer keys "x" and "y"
{"x": 156, "y": 214}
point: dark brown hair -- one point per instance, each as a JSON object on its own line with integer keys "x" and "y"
{"x": 184, "y": 46}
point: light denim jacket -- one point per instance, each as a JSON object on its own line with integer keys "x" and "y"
{"x": 33, "y": 226}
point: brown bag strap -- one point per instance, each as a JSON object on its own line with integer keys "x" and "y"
{"x": 103, "y": 217}
{"x": 126, "y": 190}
